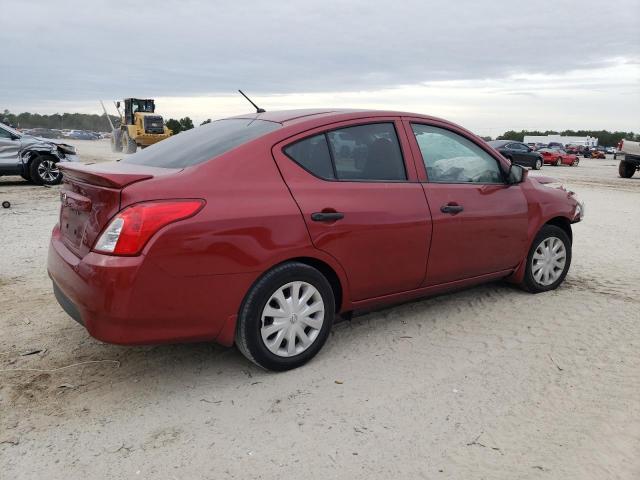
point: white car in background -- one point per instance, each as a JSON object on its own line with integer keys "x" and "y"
{"x": 33, "y": 158}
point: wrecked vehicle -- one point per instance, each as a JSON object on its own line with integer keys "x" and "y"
{"x": 33, "y": 158}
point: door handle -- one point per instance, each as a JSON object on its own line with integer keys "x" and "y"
{"x": 326, "y": 216}
{"x": 451, "y": 208}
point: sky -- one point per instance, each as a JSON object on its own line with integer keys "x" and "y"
{"x": 491, "y": 66}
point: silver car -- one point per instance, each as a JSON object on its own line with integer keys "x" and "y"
{"x": 33, "y": 158}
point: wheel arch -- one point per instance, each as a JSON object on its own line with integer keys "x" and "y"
{"x": 30, "y": 155}
{"x": 563, "y": 223}
{"x": 559, "y": 221}
{"x": 329, "y": 273}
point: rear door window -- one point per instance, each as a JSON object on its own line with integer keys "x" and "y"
{"x": 313, "y": 155}
{"x": 367, "y": 152}
{"x": 361, "y": 153}
{"x": 201, "y": 143}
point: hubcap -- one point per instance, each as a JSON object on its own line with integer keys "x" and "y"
{"x": 548, "y": 261}
{"x": 292, "y": 319}
{"x": 47, "y": 170}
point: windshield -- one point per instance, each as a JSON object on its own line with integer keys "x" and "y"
{"x": 11, "y": 130}
{"x": 202, "y": 143}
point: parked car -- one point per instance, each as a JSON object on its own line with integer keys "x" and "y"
{"x": 44, "y": 133}
{"x": 557, "y": 157}
{"x": 35, "y": 159}
{"x": 610, "y": 150}
{"x": 519, "y": 153}
{"x": 593, "y": 153}
{"x": 255, "y": 230}
{"x": 81, "y": 135}
{"x": 555, "y": 145}
{"x": 573, "y": 149}
{"x": 629, "y": 154}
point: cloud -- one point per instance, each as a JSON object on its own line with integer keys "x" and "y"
{"x": 74, "y": 52}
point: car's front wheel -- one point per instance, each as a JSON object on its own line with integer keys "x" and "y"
{"x": 286, "y": 317}
{"x": 548, "y": 260}
{"x": 538, "y": 164}
{"x": 558, "y": 161}
{"x": 43, "y": 170}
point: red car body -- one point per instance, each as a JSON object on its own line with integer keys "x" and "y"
{"x": 190, "y": 278}
{"x": 558, "y": 157}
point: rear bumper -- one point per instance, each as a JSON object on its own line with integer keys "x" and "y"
{"x": 130, "y": 300}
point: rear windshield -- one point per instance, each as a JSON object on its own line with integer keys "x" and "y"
{"x": 201, "y": 143}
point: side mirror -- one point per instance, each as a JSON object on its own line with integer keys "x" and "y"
{"x": 14, "y": 137}
{"x": 517, "y": 174}
{"x": 117, "y": 104}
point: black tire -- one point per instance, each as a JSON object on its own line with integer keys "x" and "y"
{"x": 537, "y": 164}
{"x": 128, "y": 144}
{"x": 25, "y": 173}
{"x": 558, "y": 162}
{"x": 43, "y": 170}
{"x": 626, "y": 169}
{"x": 248, "y": 337}
{"x": 116, "y": 141}
{"x": 529, "y": 283}
{"x": 576, "y": 162}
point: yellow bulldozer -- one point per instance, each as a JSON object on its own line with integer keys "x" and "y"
{"x": 140, "y": 126}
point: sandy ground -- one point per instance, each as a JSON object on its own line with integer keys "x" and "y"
{"x": 486, "y": 383}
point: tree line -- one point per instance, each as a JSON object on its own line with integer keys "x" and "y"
{"x": 605, "y": 137}
{"x": 80, "y": 121}
{"x": 72, "y": 121}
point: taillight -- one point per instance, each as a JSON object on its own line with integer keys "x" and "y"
{"x": 129, "y": 231}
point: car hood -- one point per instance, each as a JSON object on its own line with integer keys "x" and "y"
{"x": 31, "y": 141}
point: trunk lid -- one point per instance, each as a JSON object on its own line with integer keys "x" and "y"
{"x": 90, "y": 196}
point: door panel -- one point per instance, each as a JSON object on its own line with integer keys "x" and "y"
{"x": 487, "y": 236}
{"x": 483, "y": 228}
{"x": 382, "y": 239}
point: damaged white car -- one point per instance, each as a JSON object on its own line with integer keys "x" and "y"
{"x": 34, "y": 159}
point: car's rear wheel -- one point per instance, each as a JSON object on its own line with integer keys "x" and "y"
{"x": 44, "y": 170}
{"x": 286, "y": 317}
{"x": 626, "y": 169}
{"x": 575, "y": 162}
{"x": 548, "y": 260}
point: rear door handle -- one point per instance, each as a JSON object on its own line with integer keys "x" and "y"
{"x": 451, "y": 208}
{"x": 326, "y": 216}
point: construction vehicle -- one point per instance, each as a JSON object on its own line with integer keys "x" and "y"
{"x": 140, "y": 126}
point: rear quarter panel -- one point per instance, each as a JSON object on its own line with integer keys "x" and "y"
{"x": 249, "y": 224}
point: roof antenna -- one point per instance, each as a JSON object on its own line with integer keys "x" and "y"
{"x": 258, "y": 109}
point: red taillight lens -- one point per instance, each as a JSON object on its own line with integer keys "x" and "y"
{"x": 129, "y": 231}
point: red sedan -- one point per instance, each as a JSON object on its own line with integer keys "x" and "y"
{"x": 258, "y": 230}
{"x": 558, "y": 157}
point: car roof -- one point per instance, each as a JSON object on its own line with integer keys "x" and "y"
{"x": 289, "y": 117}
{"x": 499, "y": 143}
